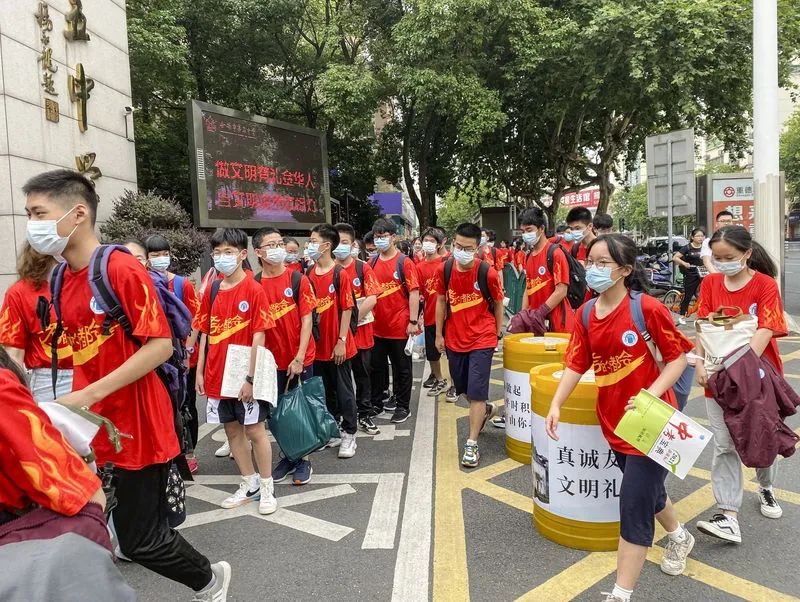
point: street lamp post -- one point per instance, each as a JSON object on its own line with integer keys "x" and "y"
{"x": 766, "y": 129}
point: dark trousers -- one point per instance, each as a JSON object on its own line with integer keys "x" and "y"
{"x": 140, "y": 520}
{"x": 361, "y": 374}
{"x": 691, "y": 282}
{"x": 308, "y": 372}
{"x": 340, "y": 395}
{"x": 191, "y": 401}
{"x": 394, "y": 349}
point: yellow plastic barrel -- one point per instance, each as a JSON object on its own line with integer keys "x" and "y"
{"x": 576, "y": 479}
{"x": 521, "y": 352}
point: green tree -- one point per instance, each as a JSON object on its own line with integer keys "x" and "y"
{"x": 140, "y": 214}
{"x": 629, "y": 207}
{"x": 462, "y": 204}
{"x": 790, "y": 160}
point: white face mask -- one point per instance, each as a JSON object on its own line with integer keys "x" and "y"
{"x": 275, "y": 256}
{"x": 160, "y": 264}
{"x": 44, "y": 238}
{"x": 428, "y": 247}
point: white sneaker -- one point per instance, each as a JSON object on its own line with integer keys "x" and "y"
{"x": 267, "y": 504}
{"x": 682, "y": 321}
{"x": 348, "y": 447}
{"x": 674, "y": 560}
{"x": 223, "y": 451}
{"x": 721, "y": 526}
{"x": 769, "y": 505}
{"x": 246, "y": 493}
{"x": 219, "y": 592}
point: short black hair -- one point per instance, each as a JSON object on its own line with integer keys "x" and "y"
{"x": 434, "y": 233}
{"x": 723, "y": 212}
{"x": 404, "y": 246}
{"x": 328, "y": 233}
{"x": 134, "y": 241}
{"x": 579, "y": 214}
{"x": 258, "y": 237}
{"x": 490, "y": 234}
{"x": 533, "y": 217}
{"x": 66, "y": 187}
{"x": 469, "y": 230}
{"x": 288, "y": 239}
{"x": 383, "y": 225}
{"x": 229, "y": 236}
{"x": 561, "y": 228}
{"x": 155, "y": 243}
{"x": 343, "y": 228}
{"x": 369, "y": 238}
{"x": 603, "y": 221}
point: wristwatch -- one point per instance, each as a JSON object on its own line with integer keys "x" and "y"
{"x": 413, "y": 322}
{"x": 343, "y": 339}
{"x": 249, "y": 380}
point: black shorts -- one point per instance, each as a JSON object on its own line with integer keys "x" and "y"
{"x": 471, "y": 372}
{"x": 642, "y": 495}
{"x": 431, "y": 352}
{"x": 222, "y": 411}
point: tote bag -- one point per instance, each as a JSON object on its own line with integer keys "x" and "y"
{"x": 723, "y": 332}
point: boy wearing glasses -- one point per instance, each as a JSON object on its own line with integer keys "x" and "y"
{"x": 291, "y": 305}
{"x": 546, "y": 286}
{"x": 238, "y": 314}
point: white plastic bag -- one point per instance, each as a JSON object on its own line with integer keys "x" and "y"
{"x": 721, "y": 335}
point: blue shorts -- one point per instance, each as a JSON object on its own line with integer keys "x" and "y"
{"x": 642, "y": 495}
{"x": 471, "y": 371}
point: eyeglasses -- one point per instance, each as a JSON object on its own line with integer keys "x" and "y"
{"x": 273, "y": 245}
{"x": 602, "y": 263}
{"x": 467, "y": 249}
{"x": 218, "y": 254}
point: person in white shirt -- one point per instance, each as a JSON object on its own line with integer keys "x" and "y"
{"x": 724, "y": 218}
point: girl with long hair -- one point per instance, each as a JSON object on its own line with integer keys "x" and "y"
{"x": 745, "y": 279}
{"x": 623, "y": 365}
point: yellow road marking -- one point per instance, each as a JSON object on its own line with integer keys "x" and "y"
{"x": 574, "y": 580}
{"x": 749, "y": 485}
{"x": 496, "y": 367}
{"x": 494, "y": 381}
{"x": 791, "y": 356}
{"x": 494, "y": 470}
{"x": 723, "y": 581}
{"x": 501, "y": 494}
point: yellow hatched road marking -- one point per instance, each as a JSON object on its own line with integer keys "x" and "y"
{"x": 574, "y": 580}
{"x": 494, "y": 381}
{"x": 501, "y": 494}
{"x": 496, "y": 367}
{"x": 494, "y": 470}
{"x": 749, "y": 485}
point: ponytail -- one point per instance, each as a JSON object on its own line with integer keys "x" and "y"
{"x": 760, "y": 261}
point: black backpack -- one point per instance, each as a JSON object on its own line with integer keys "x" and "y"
{"x": 337, "y": 279}
{"x": 576, "y": 289}
{"x": 483, "y": 283}
{"x": 401, "y": 260}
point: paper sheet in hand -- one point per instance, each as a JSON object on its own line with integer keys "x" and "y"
{"x": 78, "y": 431}
{"x": 369, "y": 318}
{"x": 237, "y": 366}
{"x": 663, "y": 433}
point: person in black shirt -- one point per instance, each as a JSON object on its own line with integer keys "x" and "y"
{"x": 690, "y": 262}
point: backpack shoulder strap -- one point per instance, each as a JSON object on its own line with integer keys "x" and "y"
{"x": 337, "y": 279}
{"x": 448, "y": 272}
{"x": 103, "y": 292}
{"x": 177, "y": 286}
{"x": 401, "y": 273}
{"x": 373, "y": 262}
{"x": 483, "y": 283}
{"x": 574, "y": 250}
{"x": 297, "y": 278}
{"x": 551, "y": 251}
{"x": 587, "y": 310}
{"x": 494, "y": 254}
{"x": 56, "y": 283}
{"x": 258, "y": 276}
{"x": 360, "y": 270}
{"x": 638, "y": 315}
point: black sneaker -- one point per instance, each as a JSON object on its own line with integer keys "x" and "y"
{"x": 391, "y": 405}
{"x": 400, "y": 415}
{"x": 429, "y": 382}
{"x": 366, "y": 425}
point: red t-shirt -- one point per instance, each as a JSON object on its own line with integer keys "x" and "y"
{"x": 238, "y": 314}
{"x": 759, "y": 297}
{"x": 426, "y": 271}
{"x": 541, "y": 284}
{"x": 391, "y": 313}
{"x": 295, "y": 267}
{"x": 519, "y": 260}
{"x": 142, "y": 409}
{"x": 622, "y": 362}
{"x": 20, "y": 326}
{"x": 365, "y": 336}
{"x": 36, "y": 464}
{"x": 492, "y": 255}
{"x": 582, "y": 253}
{"x": 192, "y": 301}
{"x": 284, "y": 340}
{"x": 329, "y": 309}
{"x": 470, "y": 325}
{"x": 419, "y": 257}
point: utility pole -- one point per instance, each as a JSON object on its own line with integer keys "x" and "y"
{"x": 766, "y": 129}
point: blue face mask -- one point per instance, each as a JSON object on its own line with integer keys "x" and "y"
{"x": 577, "y": 235}
{"x": 342, "y": 251}
{"x": 729, "y": 268}
{"x": 464, "y": 257}
{"x": 313, "y": 251}
{"x": 373, "y": 254}
{"x": 530, "y": 238}
{"x": 291, "y": 258}
{"x": 382, "y": 243}
{"x": 226, "y": 264}
{"x": 599, "y": 279}
{"x": 484, "y": 240}
{"x": 567, "y": 236}
{"x": 160, "y": 264}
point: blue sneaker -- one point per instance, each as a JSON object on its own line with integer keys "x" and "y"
{"x": 284, "y": 468}
{"x": 302, "y": 472}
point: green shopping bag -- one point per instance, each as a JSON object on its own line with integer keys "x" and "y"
{"x": 301, "y": 422}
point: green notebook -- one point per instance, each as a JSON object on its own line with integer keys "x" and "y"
{"x": 643, "y": 426}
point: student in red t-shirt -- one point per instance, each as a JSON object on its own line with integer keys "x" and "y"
{"x": 366, "y": 290}
{"x": 469, "y": 330}
{"x": 238, "y": 315}
{"x": 115, "y": 376}
{"x": 579, "y": 222}
{"x": 744, "y": 278}
{"x": 293, "y": 256}
{"x": 336, "y": 346}
{"x": 21, "y": 332}
{"x": 489, "y": 253}
{"x": 159, "y": 260}
{"x": 396, "y": 318}
{"x": 290, "y": 341}
{"x": 432, "y": 240}
{"x": 623, "y": 364}
{"x": 546, "y": 291}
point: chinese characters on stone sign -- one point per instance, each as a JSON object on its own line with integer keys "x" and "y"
{"x": 86, "y": 166}
{"x": 79, "y": 87}
{"x": 75, "y": 28}
{"x": 45, "y": 58}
